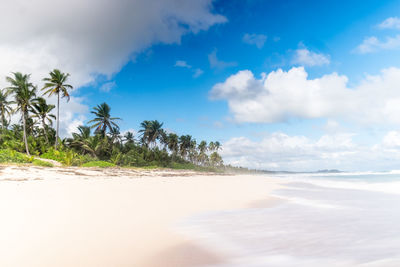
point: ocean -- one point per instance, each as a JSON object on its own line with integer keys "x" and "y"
{"x": 341, "y": 219}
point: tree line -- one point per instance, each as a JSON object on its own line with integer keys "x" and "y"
{"x": 101, "y": 139}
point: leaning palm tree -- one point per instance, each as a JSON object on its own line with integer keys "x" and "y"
{"x": 25, "y": 95}
{"x": 42, "y": 111}
{"x": 5, "y": 107}
{"x": 103, "y": 119}
{"x": 57, "y": 84}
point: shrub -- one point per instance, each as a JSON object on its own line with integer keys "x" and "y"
{"x": 67, "y": 157}
{"x": 42, "y": 163}
{"x": 12, "y": 156}
{"x": 98, "y": 163}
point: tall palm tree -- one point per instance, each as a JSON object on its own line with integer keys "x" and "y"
{"x": 202, "y": 146}
{"x": 103, "y": 119}
{"x": 57, "y": 84}
{"x": 5, "y": 107}
{"x": 173, "y": 141}
{"x": 151, "y": 131}
{"x": 25, "y": 95}
{"x": 42, "y": 111}
{"x": 185, "y": 143}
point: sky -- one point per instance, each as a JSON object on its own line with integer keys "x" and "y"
{"x": 297, "y": 85}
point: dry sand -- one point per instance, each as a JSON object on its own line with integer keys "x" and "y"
{"x": 114, "y": 217}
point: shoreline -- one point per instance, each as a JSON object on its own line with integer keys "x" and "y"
{"x": 113, "y": 217}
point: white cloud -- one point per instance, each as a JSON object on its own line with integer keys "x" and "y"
{"x": 373, "y": 44}
{"x": 107, "y": 87}
{"x": 215, "y": 63}
{"x": 391, "y": 140}
{"x": 71, "y": 114}
{"x": 129, "y": 130}
{"x": 92, "y": 37}
{"x": 197, "y": 73}
{"x": 279, "y": 151}
{"x": 280, "y": 96}
{"x": 331, "y": 126}
{"x": 88, "y": 38}
{"x": 306, "y": 57}
{"x": 182, "y": 64}
{"x": 255, "y": 39}
{"x": 390, "y": 23}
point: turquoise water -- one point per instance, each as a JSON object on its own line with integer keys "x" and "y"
{"x": 324, "y": 220}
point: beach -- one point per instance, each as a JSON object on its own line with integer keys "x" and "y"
{"x": 115, "y": 217}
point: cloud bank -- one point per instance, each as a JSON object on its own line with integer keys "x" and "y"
{"x": 279, "y": 151}
{"x": 92, "y": 37}
{"x": 283, "y": 95}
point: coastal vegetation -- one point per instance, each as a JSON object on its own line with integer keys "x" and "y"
{"x": 97, "y": 144}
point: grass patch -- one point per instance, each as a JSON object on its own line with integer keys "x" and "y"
{"x": 12, "y": 156}
{"x": 191, "y": 166}
{"x": 98, "y": 163}
{"x": 38, "y": 162}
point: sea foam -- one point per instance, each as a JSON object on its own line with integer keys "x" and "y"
{"x": 324, "y": 220}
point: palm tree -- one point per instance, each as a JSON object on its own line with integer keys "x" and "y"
{"x": 56, "y": 84}
{"x": 185, "y": 143}
{"x": 217, "y": 145}
{"x": 164, "y": 139}
{"x": 115, "y": 135}
{"x": 42, "y": 111}
{"x": 202, "y": 156}
{"x": 129, "y": 138}
{"x": 173, "y": 143}
{"x": 5, "y": 107}
{"x": 151, "y": 131}
{"x": 25, "y": 95}
{"x": 202, "y": 146}
{"x": 214, "y": 146}
{"x": 80, "y": 140}
{"x": 103, "y": 119}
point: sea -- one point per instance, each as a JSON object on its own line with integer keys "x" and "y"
{"x": 321, "y": 220}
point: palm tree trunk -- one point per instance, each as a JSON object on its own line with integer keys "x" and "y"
{"x": 45, "y": 131}
{"x": 58, "y": 120}
{"x": 24, "y": 128}
{"x": 3, "y": 119}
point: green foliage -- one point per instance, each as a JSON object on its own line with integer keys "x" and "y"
{"x": 105, "y": 147}
{"x": 12, "y": 156}
{"x": 191, "y": 166}
{"x": 99, "y": 163}
{"x": 67, "y": 157}
{"x": 42, "y": 163}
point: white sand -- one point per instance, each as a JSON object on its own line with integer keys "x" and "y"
{"x": 81, "y": 217}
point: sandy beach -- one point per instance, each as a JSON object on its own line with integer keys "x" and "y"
{"x": 113, "y": 217}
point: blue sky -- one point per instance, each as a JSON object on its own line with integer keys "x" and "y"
{"x": 294, "y": 85}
